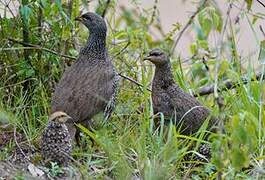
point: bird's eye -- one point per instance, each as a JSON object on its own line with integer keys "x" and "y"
{"x": 155, "y": 53}
{"x": 87, "y": 18}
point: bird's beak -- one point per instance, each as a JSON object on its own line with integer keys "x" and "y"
{"x": 148, "y": 58}
{"x": 79, "y": 18}
{"x": 69, "y": 120}
{"x": 152, "y": 59}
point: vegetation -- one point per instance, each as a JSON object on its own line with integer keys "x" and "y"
{"x": 43, "y": 39}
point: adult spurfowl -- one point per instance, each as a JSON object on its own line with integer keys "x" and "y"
{"x": 168, "y": 98}
{"x": 90, "y": 85}
{"x": 56, "y": 141}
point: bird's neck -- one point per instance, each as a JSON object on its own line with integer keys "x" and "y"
{"x": 96, "y": 44}
{"x": 163, "y": 76}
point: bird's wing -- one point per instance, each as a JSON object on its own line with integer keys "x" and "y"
{"x": 188, "y": 111}
{"x": 112, "y": 102}
{"x": 83, "y": 90}
{"x": 162, "y": 103}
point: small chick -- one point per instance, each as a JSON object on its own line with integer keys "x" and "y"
{"x": 56, "y": 141}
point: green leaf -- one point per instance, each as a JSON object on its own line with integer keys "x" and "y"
{"x": 223, "y": 68}
{"x": 210, "y": 19}
{"x": 239, "y": 158}
{"x": 205, "y": 22}
{"x": 25, "y": 13}
{"x": 206, "y": 26}
{"x": 76, "y": 7}
{"x": 217, "y": 21}
{"x": 249, "y": 4}
{"x": 203, "y": 44}
{"x": 262, "y": 52}
{"x": 59, "y": 5}
{"x": 63, "y": 14}
{"x": 29, "y": 73}
{"x": 254, "y": 20}
{"x": 234, "y": 76}
{"x": 44, "y": 3}
{"x": 121, "y": 35}
{"x": 73, "y": 52}
{"x": 193, "y": 48}
{"x": 203, "y": 81}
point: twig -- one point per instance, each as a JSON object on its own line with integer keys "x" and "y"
{"x": 219, "y": 51}
{"x": 17, "y": 144}
{"x": 228, "y": 84}
{"x": 248, "y": 12}
{"x": 261, "y": 29}
{"x": 15, "y": 49}
{"x": 123, "y": 49}
{"x": 261, "y": 3}
{"x": 41, "y": 48}
{"x": 133, "y": 81}
{"x": 154, "y": 12}
{"x": 106, "y": 8}
{"x": 26, "y": 80}
{"x": 40, "y": 19}
{"x": 187, "y": 25}
{"x": 118, "y": 41}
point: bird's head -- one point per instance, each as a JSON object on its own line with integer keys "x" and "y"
{"x": 60, "y": 117}
{"x": 93, "y": 22}
{"x": 157, "y": 57}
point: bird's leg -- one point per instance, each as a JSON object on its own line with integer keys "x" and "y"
{"x": 78, "y": 137}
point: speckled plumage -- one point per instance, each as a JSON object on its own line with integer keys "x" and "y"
{"x": 90, "y": 85}
{"x": 168, "y": 98}
{"x": 205, "y": 151}
{"x": 185, "y": 111}
{"x": 22, "y": 154}
{"x": 56, "y": 141}
{"x": 203, "y": 155}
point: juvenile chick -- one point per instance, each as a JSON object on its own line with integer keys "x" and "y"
{"x": 56, "y": 142}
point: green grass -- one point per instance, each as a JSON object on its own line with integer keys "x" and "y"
{"x": 130, "y": 145}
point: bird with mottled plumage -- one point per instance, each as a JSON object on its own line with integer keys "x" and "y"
{"x": 56, "y": 141}
{"x": 90, "y": 85}
{"x": 168, "y": 98}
